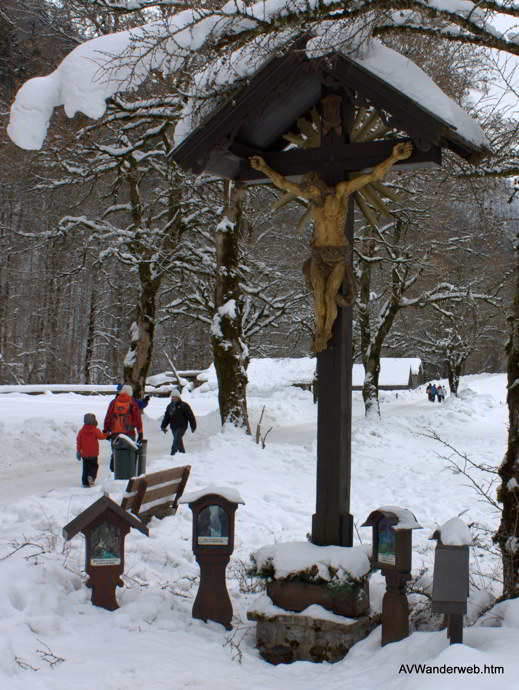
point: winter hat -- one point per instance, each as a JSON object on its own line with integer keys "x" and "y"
{"x": 119, "y": 386}
{"x": 175, "y": 393}
{"x": 127, "y": 389}
{"x": 90, "y": 418}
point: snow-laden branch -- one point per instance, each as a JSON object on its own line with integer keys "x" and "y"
{"x": 238, "y": 37}
{"x": 447, "y": 292}
{"x": 132, "y": 6}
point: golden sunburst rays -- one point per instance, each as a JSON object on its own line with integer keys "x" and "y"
{"x": 368, "y": 126}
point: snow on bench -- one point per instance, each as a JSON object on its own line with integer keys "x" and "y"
{"x": 157, "y": 493}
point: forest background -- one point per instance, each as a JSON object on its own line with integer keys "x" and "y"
{"x": 105, "y": 242}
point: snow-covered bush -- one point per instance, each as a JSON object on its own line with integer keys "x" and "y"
{"x": 335, "y": 567}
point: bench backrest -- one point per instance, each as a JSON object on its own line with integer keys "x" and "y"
{"x": 159, "y": 490}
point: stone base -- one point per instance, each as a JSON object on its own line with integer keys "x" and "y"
{"x": 283, "y": 638}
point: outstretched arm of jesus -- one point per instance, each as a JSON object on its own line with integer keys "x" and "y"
{"x": 400, "y": 152}
{"x": 258, "y": 163}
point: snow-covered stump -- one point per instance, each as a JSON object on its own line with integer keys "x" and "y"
{"x": 317, "y": 635}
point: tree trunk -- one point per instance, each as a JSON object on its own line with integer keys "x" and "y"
{"x": 89, "y": 351}
{"x": 372, "y": 337}
{"x": 370, "y": 386}
{"x": 454, "y": 373}
{"x": 370, "y": 360}
{"x": 138, "y": 358}
{"x": 507, "y": 536}
{"x": 229, "y": 352}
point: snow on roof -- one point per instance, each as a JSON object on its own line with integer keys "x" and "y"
{"x": 404, "y": 75}
{"x": 454, "y": 532}
{"x": 351, "y": 40}
{"x": 394, "y": 371}
{"x": 224, "y": 491}
{"x": 406, "y": 519}
{"x": 103, "y": 66}
{"x": 282, "y": 371}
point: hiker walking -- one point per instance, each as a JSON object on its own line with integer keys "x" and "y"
{"x": 141, "y": 403}
{"x": 177, "y": 416}
{"x": 87, "y": 448}
{"x": 123, "y": 417}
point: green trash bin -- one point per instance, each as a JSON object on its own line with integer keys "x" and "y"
{"x": 125, "y": 458}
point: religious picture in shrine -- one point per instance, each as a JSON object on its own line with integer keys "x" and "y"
{"x": 212, "y": 527}
{"x": 386, "y": 542}
{"x": 106, "y": 544}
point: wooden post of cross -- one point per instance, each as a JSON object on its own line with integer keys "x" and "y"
{"x": 332, "y": 522}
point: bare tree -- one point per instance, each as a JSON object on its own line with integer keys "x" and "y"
{"x": 142, "y": 221}
{"x": 452, "y": 338}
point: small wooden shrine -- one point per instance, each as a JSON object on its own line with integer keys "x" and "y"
{"x": 105, "y": 526}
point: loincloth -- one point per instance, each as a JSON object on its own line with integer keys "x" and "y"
{"x": 326, "y": 258}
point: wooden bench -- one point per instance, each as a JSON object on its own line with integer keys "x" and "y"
{"x": 156, "y": 494}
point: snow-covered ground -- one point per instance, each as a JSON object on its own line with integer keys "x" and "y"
{"x": 52, "y": 638}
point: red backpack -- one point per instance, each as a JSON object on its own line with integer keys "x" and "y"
{"x": 122, "y": 417}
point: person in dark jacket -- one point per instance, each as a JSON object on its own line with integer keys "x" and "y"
{"x": 87, "y": 448}
{"x": 177, "y": 416}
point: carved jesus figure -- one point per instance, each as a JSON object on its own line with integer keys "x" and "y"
{"x": 330, "y": 260}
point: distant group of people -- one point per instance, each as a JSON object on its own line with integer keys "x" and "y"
{"x": 434, "y": 392}
{"x": 124, "y": 417}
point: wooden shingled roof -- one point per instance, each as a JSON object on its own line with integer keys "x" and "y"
{"x": 254, "y": 119}
{"x": 94, "y": 511}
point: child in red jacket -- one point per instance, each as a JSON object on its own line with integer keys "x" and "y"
{"x": 87, "y": 447}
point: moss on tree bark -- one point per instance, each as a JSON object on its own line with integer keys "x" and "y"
{"x": 231, "y": 357}
{"x": 138, "y": 359}
{"x": 507, "y": 536}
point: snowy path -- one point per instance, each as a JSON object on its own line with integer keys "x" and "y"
{"x": 44, "y": 602}
{"x": 38, "y": 450}
{"x": 38, "y": 432}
